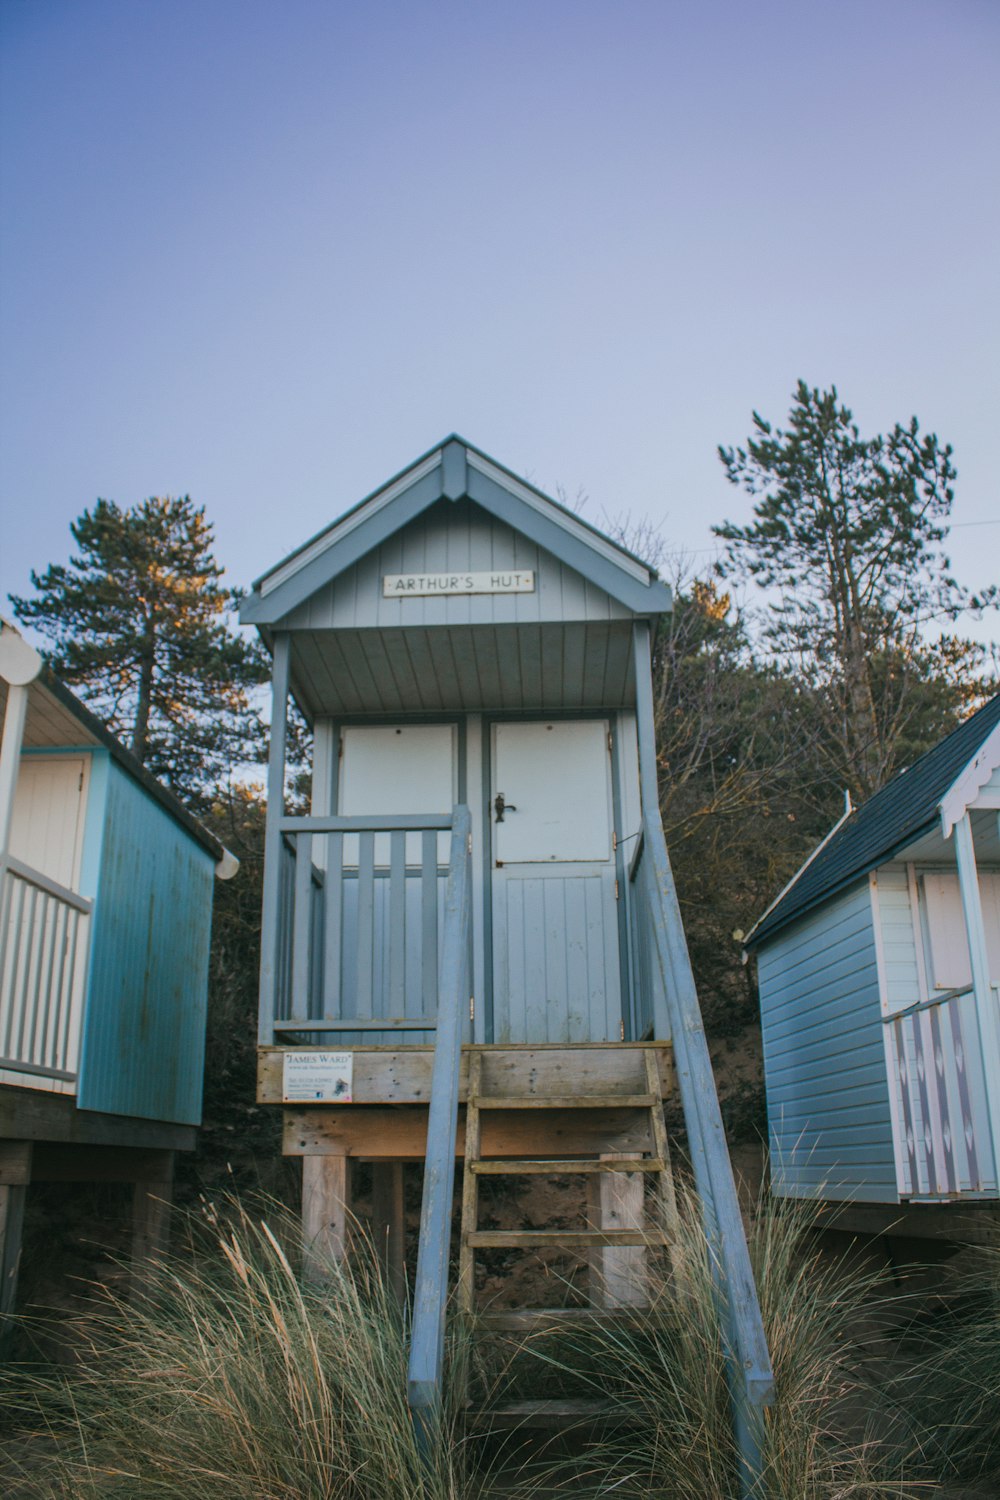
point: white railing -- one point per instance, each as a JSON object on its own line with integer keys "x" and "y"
{"x": 937, "y": 1051}
{"x": 44, "y": 935}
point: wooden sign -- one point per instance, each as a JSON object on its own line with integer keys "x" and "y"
{"x": 426, "y": 585}
{"x": 317, "y": 1077}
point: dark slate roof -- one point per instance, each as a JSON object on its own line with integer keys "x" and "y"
{"x": 901, "y": 812}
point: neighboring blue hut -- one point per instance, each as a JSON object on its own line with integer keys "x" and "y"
{"x": 879, "y": 968}
{"x": 105, "y": 915}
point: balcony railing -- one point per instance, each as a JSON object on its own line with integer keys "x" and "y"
{"x": 44, "y": 934}
{"x": 938, "y": 1051}
{"x": 359, "y": 926}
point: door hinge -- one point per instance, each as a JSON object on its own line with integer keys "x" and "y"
{"x": 614, "y": 842}
{"x": 616, "y": 890}
{"x": 611, "y": 748}
{"x": 472, "y": 1007}
{"x": 470, "y": 843}
{"x": 621, "y": 1030}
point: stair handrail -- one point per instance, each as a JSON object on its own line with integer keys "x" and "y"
{"x": 748, "y": 1362}
{"x": 427, "y": 1332}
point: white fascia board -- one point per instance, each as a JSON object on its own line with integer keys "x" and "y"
{"x": 553, "y": 512}
{"x": 848, "y": 809}
{"x": 971, "y": 780}
{"x": 343, "y": 528}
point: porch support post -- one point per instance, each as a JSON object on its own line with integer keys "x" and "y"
{"x": 986, "y": 1005}
{"x": 10, "y": 755}
{"x": 645, "y": 719}
{"x": 20, "y": 664}
{"x": 649, "y": 789}
{"x": 272, "y": 839}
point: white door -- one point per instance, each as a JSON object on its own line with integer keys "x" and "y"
{"x": 398, "y": 768}
{"x": 47, "y": 826}
{"x": 556, "y": 953}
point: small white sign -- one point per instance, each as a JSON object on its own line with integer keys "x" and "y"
{"x": 318, "y": 1078}
{"x": 424, "y": 585}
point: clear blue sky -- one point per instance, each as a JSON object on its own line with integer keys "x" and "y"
{"x": 267, "y": 253}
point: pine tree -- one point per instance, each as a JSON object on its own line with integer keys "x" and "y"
{"x": 848, "y": 533}
{"x": 138, "y": 625}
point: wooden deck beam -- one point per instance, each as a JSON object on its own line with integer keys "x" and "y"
{"x": 371, "y": 1133}
{"x": 28, "y": 1114}
{"x": 402, "y": 1074}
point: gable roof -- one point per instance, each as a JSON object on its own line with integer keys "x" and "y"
{"x": 58, "y": 718}
{"x": 905, "y": 808}
{"x": 452, "y": 471}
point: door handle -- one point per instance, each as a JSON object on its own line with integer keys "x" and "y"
{"x": 500, "y": 806}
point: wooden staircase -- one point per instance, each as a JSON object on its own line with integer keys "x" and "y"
{"x": 622, "y": 1294}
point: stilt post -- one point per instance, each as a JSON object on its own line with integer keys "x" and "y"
{"x": 389, "y": 1225}
{"x": 15, "y": 1175}
{"x": 326, "y": 1203}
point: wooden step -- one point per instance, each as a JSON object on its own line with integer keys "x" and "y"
{"x": 566, "y": 1101}
{"x": 559, "y": 1166}
{"x": 555, "y": 1412}
{"x": 527, "y": 1320}
{"x": 568, "y": 1238}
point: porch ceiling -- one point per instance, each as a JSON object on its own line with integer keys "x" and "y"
{"x": 935, "y": 849}
{"x": 558, "y": 665}
{"x": 49, "y": 724}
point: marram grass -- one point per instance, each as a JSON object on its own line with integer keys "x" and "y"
{"x": 666, "y": 1368}
{"x": 954, "y": 1390}
{"x": 231, "y": 1379}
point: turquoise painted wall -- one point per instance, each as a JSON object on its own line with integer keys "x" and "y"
{"x": 824, "y": 1057}
{"x": 144, "y": 1026}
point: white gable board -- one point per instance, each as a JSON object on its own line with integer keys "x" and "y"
{"x": 454, "y": 473}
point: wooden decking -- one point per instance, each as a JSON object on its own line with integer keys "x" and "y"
{"x": 538, "y": 1090}
{"x": 402, "y": 1075}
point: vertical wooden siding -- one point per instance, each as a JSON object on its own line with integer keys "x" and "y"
{"x": 556, "y": 958}
{"x": 824, "y": 1056}
{"x": 455, "y": 537}
{"x": 144, "y": 1028}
